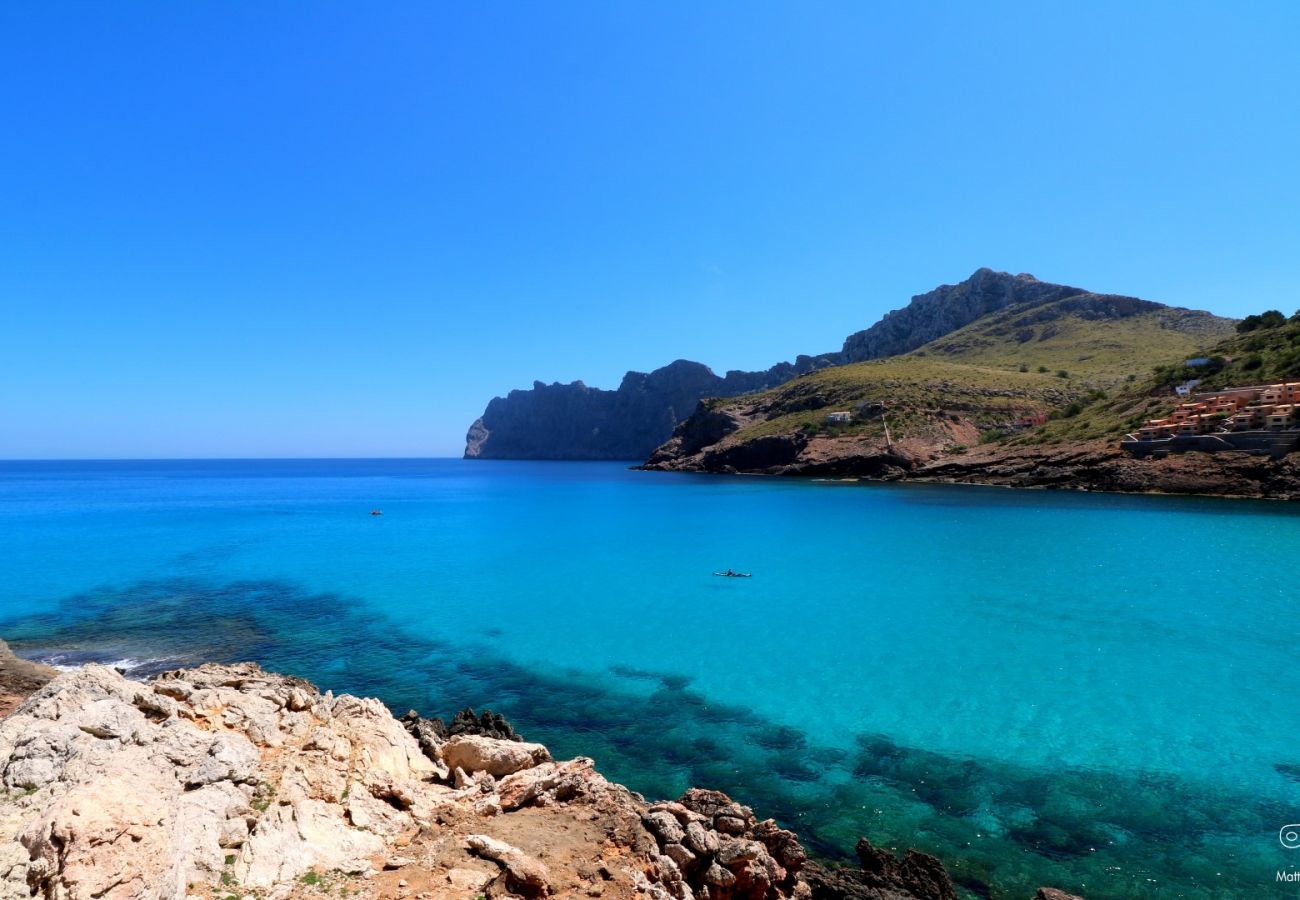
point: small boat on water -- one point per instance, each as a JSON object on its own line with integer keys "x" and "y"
{"x": 376, "y": 512}
{"x": 730, "y": 574}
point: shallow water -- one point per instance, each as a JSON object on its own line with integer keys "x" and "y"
{"x": 1083, "y": 690}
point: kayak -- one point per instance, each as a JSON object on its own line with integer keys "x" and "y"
{"x": 733, "y": 574}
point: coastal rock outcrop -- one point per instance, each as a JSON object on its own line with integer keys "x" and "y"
{"x": 121, "y": 790}
{"x": 474, "y": 753}
{"x": 713, "y": 847}
{"x": 574, "y": 421}
{"x": 987, "y": 313}
{"x": 19, "y": 678}
{"x": 1101, "y": 466}
{"x": 225, "y": 780}
{"x": 1096, "y": 465}
{"x": 882, "y": 876}
{"x": 230, "y": 778}
{"x": 704, "y": 428}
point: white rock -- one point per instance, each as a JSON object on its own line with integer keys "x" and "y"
{"x": 528, "y": 874}
{"x": 475, "y": 753}
{"x": 467, "y": 879}
{"x": 145, "y": 789}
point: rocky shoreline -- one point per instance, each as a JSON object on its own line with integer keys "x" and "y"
{"x": 1086, "y": 466}
{"x": 227, "y": 781}
{"x": 19, "y": 679}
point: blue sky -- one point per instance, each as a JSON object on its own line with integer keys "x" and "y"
{"x": 320, "y": 229}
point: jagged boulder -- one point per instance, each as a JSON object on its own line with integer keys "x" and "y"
{"x": 713, "y": 848}
{"x": 473, "y": 753}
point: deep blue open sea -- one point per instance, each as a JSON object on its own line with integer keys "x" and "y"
{"x": 1095, "y": 692}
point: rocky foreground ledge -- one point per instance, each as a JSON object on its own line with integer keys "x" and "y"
{"x": 231, "y": 782}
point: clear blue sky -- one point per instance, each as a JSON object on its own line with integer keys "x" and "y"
{"x": 333, "y": 229}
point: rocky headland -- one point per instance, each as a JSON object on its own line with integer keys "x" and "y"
{"x": 959, "y": 367}
{"x": 228, "y": 781}
{"x": 1097, "y": 465}
{"x": 1036, "y": 389}
{"x": 574, "y": 421}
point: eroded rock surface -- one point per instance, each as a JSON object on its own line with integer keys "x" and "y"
{"x": 228, "y": 781}
{"x": 118, "y": 789}
{"x": 19, "y": 678}
{"x": 883, "y": 876}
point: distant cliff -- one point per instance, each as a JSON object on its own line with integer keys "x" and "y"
{"x": 1034, "y": 394}
{"x": 573, "y": 421}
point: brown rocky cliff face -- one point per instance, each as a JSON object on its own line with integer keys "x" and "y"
{"x": 704, "y": 428}
{"x": 1097, "y": 465}
{"x": 19, "y": 678}
{"x": 1102, "y": 466}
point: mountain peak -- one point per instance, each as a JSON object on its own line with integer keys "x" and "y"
{"x": 947, "y": 308}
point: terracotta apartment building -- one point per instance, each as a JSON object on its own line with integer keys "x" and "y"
{"x": 1255, "y": 408}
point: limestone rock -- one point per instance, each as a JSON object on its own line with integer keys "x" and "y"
{"x": 496, "y": 757}
{"x": 468, "y": 880}
{"x": 550, "y": 782}
{"x": 523, "y": 873}
{"x": 141, "y": 789}
{"x": 228, "y": 780}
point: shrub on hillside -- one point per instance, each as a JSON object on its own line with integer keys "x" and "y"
{"x": 1268, "y": 319}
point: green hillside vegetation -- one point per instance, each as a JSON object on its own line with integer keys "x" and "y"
{"x": 1263, "y": 349}
{"x": 1266, "y": 349}
{"x": 910, "y": 390}
{"x": 1076, "y": 336}
{"x": 1087, "y": 361}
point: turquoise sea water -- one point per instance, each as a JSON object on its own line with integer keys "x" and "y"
{"x": 1096, "y": 692}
